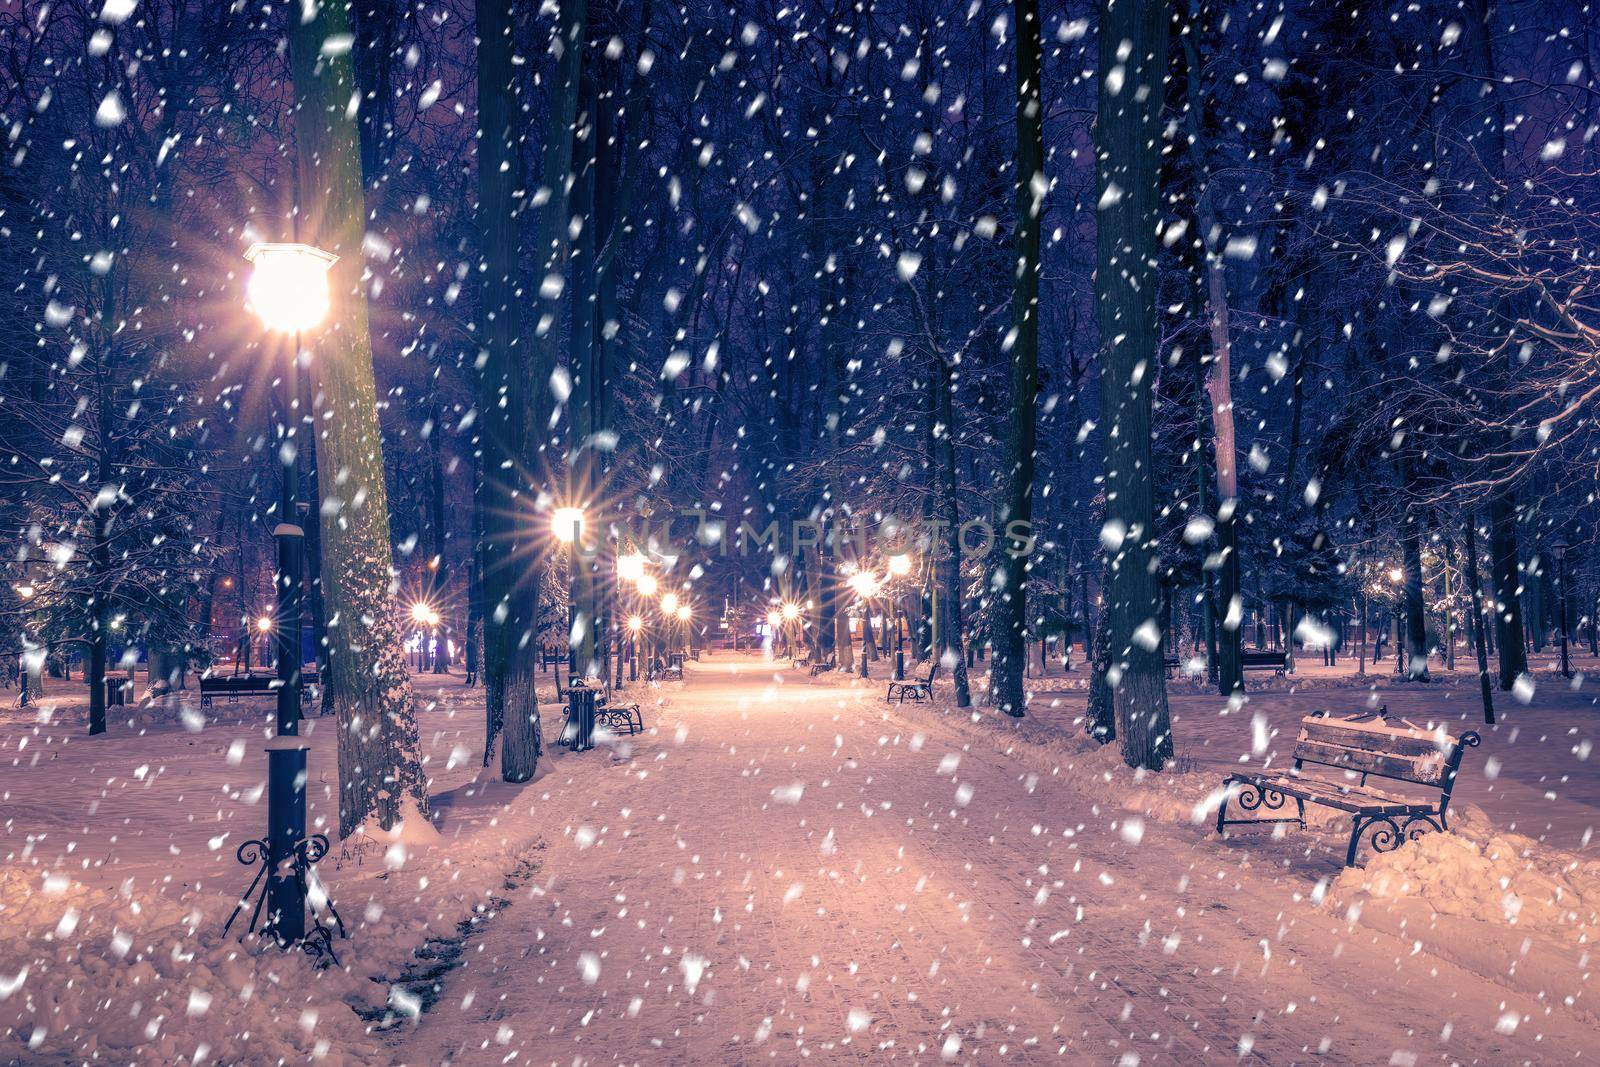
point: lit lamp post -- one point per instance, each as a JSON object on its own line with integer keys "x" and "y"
{"x": 1559, "y": 551}
{"x": 685, "y": 613}
{"x": 630, "y": 570}
{"x": 865, "y": 584}
{"x": 772, "y": 628}
{"x": 669, "y": 612}
{"x": 288, "y": 290}
{"x": 899, "y": 567}
{"x": 566, "y": 524}
{"x": 790, "y": 613}
{"x": 1396, "y": 576}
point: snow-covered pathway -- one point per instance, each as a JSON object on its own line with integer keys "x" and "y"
{"x": 788, "y": 868}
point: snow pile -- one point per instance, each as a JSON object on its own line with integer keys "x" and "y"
{"x": 94, "y": 971}
{"x": 108, "y": 974}
{"x": 1503, "y": 879}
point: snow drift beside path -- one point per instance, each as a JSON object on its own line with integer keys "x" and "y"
{"x": 1503, "y": 879}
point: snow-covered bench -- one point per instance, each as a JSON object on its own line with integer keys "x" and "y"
{"x": 918, "y": 689}
{"x": 1345, "y": 753}
{"x": 1257, "y": 660}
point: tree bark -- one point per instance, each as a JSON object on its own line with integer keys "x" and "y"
{"x": 380, "y": 764}
{"x": 947, "y": 557}
{"x": 1008, "y": 631}
{"x": 1129, "y": 141}
{"x": 1507, "y": 595}
{"x": 1219, "y": 388}
{"x": 1479, "y": 636}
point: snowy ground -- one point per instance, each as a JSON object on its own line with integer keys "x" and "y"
{"x": 786, "y": 868}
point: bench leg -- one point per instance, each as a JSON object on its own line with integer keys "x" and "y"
{"x": 1222, "y": 809}
{"x": 1355, "y": 841}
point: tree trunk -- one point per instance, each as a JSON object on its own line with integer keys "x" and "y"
{"x": 1219, "y": 387}
{"x": 947, "y": 558}
{"x": 436, "y": 523}
{"x": 1129, "y": 142}
{"x": 1416, "y": 615}
{"x": 1100, "y": 720}
{"x": 1508, "y": 600}
{"x": 1008, "y": 631}
{"x": 1479, "y": 636}
{"x": 380, "y": 764}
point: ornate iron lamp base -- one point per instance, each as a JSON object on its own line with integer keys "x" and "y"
{"x": 317, "y": 942}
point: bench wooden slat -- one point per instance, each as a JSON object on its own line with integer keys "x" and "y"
{"x": 1393, "y": 742}
{"x": 1424, "y": 770}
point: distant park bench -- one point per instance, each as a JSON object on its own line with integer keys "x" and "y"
{"x": 823, "y": 666}
{"x": 917, "y": 689}
{"x": 1354, "y": 749}
{"x": 234, "y": 686}
{"x": 1277, "y": 662}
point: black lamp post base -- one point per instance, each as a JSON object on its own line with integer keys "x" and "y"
{"x": 287, "y": 925}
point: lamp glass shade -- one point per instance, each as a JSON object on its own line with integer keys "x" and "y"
{"x": 288, "y": 287}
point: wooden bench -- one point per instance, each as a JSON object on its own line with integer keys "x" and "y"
{"x": 234, "y": 686}
{"x": 917, "y": 689}
{"x": 1354, "y": 749}
{"x": 1276, "y": 662}
{"x": 823, "y": 666}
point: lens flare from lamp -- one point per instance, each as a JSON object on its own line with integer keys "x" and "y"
{"x": 1395, "y": 574}
{"x": 772, "y": 619}
{"x": 791, "y": 612}
{"x": 669, "y": 604}
{"x": 865, "y": 584}
{"x": 566, "y": 524}
{"x": 648, "y": 585}
{"x": 288, "y": 287}
{"x": 420, "y": 613}
{"x": 264, "y": 623}
{"x": 900, "y": 565}
{"x": 635, "y": 623}
{"x": 684, "y": 613}
{"x": 630, "y": 568}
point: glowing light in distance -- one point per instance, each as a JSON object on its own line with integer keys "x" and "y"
{"x": 791, "y": 612}
{"x": 900, "y": 565}
{"x": 630, "y": 568}
{"x": 648, "y": 586}
{"x": 669, "y": 604}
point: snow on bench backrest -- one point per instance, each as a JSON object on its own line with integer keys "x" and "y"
{"x": 1406, "y": 753}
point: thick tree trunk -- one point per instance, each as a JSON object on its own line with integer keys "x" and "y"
{"x": 1129, "y": 140}
{"x": 947, "y": 557}
{"x": 1100, "y": 720}
{"x": 1507, "y": 593}
{"x": 1008, "y": 631}
{"x": 1479, "y": 635}
{"x": 380, "y": 764}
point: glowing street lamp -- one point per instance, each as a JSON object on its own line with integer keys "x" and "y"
{"x": 567, "y": 524}
{"x": 900, "y": 565}
{"x": 288, "y": 287}
{"x": 1396, "y": 574}
{"x": 790, "y": 611}
{"x": 647, "y": 585}
{"x": 865, "y": 584}
{"x": 669, "y": 604}
{"x": 630, "y": 568}
{"x": 289, "y": 291}
{"x": 635, "y": 623}
{"x": 684, "y": 613}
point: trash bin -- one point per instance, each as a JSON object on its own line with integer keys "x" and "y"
{"x": 579, "y": 734}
